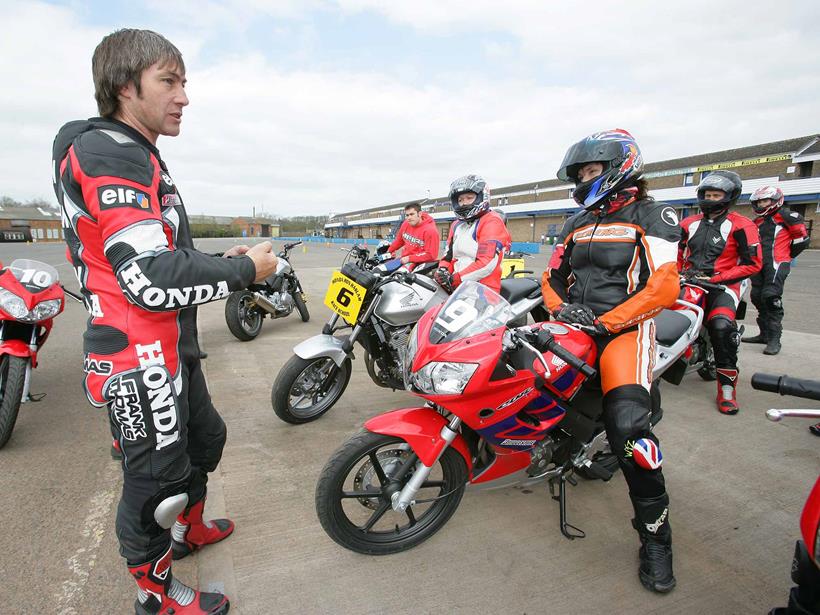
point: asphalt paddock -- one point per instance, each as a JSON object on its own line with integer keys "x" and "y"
{"x": 737, "y": 486}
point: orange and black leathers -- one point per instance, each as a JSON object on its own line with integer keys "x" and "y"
{"x": 783, "y": 236}
{"x": 131, "y": 248}
{"x": 621, "y": 264}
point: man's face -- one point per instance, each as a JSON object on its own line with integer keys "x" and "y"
{"x": 157, "y": 109}
{"x": 589, "y": 171}
{"x": 467, "y": 198}
{"x": 713, "y": 195}
{"x": 412, "y": 216}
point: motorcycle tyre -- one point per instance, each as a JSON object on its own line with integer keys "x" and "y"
{"x": 300, "y": 306}
{"x": 234, "y": 322}
{"x": 280, "y": 392}
{"x": 338, "y": 468}
{"x": 11, "y": 393}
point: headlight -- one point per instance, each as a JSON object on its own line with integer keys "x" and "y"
{"x": 44, "y": 310}
{"x": 12, "y": 304}
{"x": 444, "y": 378}
{"x": 16, "y": 307}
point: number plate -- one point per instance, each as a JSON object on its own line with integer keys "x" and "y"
{"x": 345, "y": 297}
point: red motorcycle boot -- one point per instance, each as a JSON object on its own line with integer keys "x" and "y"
{"x": 159, "y": 593}
{"x": 726, "y": 391}
{"x": 190, "y": 532}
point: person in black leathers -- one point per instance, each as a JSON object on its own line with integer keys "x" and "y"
{"x": 782, "y": 236}
{"x": 612, "y": 270}
{"x": 130, "y": 244}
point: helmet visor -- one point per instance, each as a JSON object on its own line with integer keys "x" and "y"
{"x": 589, "y": 150}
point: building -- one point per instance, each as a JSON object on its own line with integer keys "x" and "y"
{"x": 230, "y": 226}
{"x": 256, "y": 227}
{"x": 541, "y": 207}
{"x": 30, "y": 224}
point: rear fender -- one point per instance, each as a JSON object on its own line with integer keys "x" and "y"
{"x": 421, "y": 429}
{"x": 322, "y": 346}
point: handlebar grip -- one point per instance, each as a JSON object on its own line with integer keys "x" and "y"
{"x": 571, "y": 360}
{"x": 421, "y": 281}
{"x": 784, "y": 385}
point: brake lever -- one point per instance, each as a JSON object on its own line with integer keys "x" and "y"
{"x": 526, "y": 344}
{"x": 74, "y": 296}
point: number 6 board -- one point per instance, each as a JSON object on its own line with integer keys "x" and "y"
{"x": 344, "y": 296}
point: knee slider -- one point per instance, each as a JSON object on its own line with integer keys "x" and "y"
{"x": 626, "y": 415}
{"x": 725, "y": 330}
{"x": 774, "y": 302}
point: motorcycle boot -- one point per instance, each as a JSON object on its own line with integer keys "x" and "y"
{"x": 760, "y": 338}
{"x": 726, "y": 391}
{"x": 775, "y": 329}
{"x": 652, "y": 524}
{"x": 190, "y": 532}
{"x": 159, "y": 593}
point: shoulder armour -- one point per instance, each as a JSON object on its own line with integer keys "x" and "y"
{"x": 103, "y": 152}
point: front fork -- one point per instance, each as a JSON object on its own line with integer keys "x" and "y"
{"x": 404, "y": 498}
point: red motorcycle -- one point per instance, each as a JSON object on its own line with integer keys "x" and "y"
{"x": 804, "y": 598}
{"x": 506, "y": 406}
{"x": 30, "y": 298}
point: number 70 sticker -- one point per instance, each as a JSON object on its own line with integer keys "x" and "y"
{"x": 344, "y": 296}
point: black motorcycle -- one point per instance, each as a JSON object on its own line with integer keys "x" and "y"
{"x": 276, "y": 297}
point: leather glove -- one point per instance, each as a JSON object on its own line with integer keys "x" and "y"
{"x": 444, "y": 278}
{"x": 575, "y": 314}
{"x": 599, "y": 329}
{"x": 693, "y": 275}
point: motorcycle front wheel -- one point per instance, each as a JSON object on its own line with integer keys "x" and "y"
{"x": 353, "y": 495}
{"x": 243, "y": 318}
{"x": 299, "y": 300}
{"x": 307, "y": 388}
{"x": 12, "y": 379}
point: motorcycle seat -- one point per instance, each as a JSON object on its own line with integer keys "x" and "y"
{"x": 670, "y": 326}
{"x": 516, "y": 289}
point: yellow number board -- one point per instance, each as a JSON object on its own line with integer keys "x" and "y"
{"x": 344, "y": 296}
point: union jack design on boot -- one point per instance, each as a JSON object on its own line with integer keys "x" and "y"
{"x": 159, "y": 593}
{"x": 190, "y": 532}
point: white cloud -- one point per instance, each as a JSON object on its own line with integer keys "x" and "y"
{"x": 696, "y": 78}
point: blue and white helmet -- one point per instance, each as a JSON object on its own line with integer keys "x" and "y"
{"x": 477, "y": 185}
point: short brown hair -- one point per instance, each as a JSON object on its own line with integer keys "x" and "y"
{"x": 415, "y": 206}
{"x": 121, "y": 57}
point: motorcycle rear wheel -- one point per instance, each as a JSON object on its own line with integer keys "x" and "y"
{"x": 356, "y": 513}
{"x": 300, "y": 379}
{"x": 244, "y": 320}
{"x": 12, "y": 380}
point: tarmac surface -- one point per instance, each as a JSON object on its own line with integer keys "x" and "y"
{"x": 737, "y": 486}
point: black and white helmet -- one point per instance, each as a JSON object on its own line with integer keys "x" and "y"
{"x": 475, "y": 184}
{"x": 727, "y": 182}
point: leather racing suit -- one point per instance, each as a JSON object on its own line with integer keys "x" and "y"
{"x": 783, "y": 236}
{"x": 140, "y": 276}
{"x": 475, "y": 249}
{"x": 727, "y": 249}
{"x": 621, "y": 264}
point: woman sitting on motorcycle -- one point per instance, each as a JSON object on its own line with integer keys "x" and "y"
{"x": 614, "y": 268}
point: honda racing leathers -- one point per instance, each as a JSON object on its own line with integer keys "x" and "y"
{"x": 783, "y": 236}
{"x": 130, "y": 245}
{"x": 475, "y": 249}
{"x": 725, "y": 249}
{"x": 419, "y": 243}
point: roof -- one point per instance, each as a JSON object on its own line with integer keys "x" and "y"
{"x": 203, "y": 219}
{"x": 28, "y": 213}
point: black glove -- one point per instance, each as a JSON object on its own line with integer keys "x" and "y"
{"x": 444, "y": 278}
{"x": 382, "y": 248}
{"x": 693, "y": 274}
{"x": 575, "y": 314}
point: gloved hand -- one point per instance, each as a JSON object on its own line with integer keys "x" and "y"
{"x": 575, "y": 314}
{"x": 382, "y": 248}
{"x": 444, "y": 278}
{"x": 384, "y": 256}
{"x": 599, "y": 329}
{"x": 693, "y": 275}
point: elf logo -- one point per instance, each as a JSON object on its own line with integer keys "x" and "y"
{"x": 111, "y": 197}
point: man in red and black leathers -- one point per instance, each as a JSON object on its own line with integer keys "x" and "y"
{"x": 783, "y": 236}
{"x": 130, "y": 245}
{"x": 722, "y": 247}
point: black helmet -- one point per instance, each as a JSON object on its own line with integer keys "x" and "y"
{"x": 620, "y": 156}
{"x": 477, "y": 185}
{"x": 727, "y": 182}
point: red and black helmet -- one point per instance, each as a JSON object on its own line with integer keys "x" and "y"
{"x": 773, "y": 193}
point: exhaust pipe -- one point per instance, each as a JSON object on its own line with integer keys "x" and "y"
{"x": 263, "y": 302}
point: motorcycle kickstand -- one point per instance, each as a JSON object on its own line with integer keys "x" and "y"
{"x": 567, "y": 529}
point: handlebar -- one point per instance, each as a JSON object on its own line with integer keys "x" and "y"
{"x": 785, "y": 385}
{"x": 74, "y": 296}
{"x": 412, "y": 278}
{"x": 290, "y": 246}
{"x": 546, "y": 341}
{"x": 705, "y": 285}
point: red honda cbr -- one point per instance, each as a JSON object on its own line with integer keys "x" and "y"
{"x": 30, "y": 298}
{"x": 804, "y": 598}
{"x": 505, "y": 407}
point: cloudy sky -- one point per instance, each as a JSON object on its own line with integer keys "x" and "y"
{"x": 318, "y": 106}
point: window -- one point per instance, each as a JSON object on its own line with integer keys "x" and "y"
{"x": 805, "y": 168}
{"x": 704, "y": 175}
{"x": 688, "y": 179}
{"x": 40, "y": 234}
